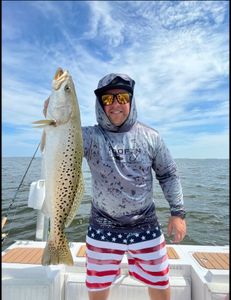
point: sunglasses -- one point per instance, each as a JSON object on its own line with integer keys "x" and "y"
{"x": 122, "y": 98}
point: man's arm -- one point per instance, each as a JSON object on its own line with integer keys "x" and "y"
{"x": 166, "y": 173}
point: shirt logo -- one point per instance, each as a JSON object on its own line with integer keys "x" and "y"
{"x": 125, "y": 154}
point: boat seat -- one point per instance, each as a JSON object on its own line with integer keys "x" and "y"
{"x": 171, "y": 252}
{"x": 212, "y": 260}
{"x": 22, "y": 255}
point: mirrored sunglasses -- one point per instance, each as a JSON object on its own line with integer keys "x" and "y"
{"x": 122, "y": 98}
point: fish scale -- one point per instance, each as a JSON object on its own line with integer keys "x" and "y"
{"x": 62, "y": 153}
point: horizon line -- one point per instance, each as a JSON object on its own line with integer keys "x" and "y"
{"x": 85, "y": 158}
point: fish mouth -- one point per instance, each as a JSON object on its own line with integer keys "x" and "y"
{"x": 58, "y": 73}
{"x": 59, "y": 78}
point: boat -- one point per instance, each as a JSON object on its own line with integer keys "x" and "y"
{"x": 196, "y": 272}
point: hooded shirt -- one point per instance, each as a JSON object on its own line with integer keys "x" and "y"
{"x": 122, "y": 160}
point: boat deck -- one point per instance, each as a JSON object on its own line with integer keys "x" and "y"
{"x": 22, "y": 255}
{"x": 196, "y": 273}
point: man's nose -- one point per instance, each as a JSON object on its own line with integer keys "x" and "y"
{"x": 115, "y": 102}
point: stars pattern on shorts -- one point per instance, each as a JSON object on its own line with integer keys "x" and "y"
{"x": 123, "y": 237}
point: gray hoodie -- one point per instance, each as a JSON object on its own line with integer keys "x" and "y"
{"x": 122, "y": 160}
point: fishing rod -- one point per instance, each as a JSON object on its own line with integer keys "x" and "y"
{"x": 5, "y": 217}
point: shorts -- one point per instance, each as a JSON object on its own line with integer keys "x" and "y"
{"x": 146, "y": 253}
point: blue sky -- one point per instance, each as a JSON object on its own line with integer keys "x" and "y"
{"x": 176, "y": 51}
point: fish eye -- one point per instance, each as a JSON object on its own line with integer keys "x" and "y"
{"x": 67, "y": 88}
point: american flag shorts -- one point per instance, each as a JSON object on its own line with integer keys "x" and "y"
{"x": 146, "y": 254}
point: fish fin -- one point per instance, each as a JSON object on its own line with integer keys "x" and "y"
{"x": 39, "y": 126}
{"x": 76, "y": 202}
{"x": 46, "y": 209}
{"x": 43, "y": 123}
{"x": 43, "y": 141}
{"x": 54, "y": 254}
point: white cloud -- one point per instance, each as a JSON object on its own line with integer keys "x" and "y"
{"x": 104, "y": 25}
{"x": 172, "y": 14}
{"x": 177, "y": 64}
{"x": 52, "y": 10}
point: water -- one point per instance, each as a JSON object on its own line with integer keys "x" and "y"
{"x": 205, "y": 185}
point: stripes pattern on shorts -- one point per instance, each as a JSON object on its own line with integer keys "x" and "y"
{"x": 146, "y": 253}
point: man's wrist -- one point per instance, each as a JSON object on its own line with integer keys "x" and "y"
{"x": 181, "y": 214}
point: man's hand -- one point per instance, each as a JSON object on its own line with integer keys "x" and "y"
{"x": 177, "y": 227}
{"x": 45, "y": 105}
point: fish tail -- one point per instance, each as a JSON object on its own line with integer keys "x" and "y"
{"x": 57, "y": 253}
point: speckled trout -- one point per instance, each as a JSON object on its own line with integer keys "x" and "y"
{"x": 62, "y": 153}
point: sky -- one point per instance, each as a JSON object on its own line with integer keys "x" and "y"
{"x": 176, "y": 51}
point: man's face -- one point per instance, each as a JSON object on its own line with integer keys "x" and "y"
{"x": 117, "y": 113}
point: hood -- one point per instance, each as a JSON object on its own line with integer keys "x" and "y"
{"x": 115, "y": 80}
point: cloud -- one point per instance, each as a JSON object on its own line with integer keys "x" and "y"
{"x": 104, "y": 24}
{"x": 177, "y": 52}
{"x": 176, "y": 14}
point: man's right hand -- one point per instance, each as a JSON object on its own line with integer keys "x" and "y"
{"x": 46, "y": 102}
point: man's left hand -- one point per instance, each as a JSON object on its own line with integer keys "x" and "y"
{"x": 177, "y": 227}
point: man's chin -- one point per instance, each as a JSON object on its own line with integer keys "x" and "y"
{"x": 118, "y": 124}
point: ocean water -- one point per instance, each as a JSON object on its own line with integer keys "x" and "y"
{"x": 205, "y": 185}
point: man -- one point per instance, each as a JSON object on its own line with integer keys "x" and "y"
{"x": 121, "y": 153}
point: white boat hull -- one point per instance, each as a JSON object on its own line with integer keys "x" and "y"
{"x": 188, "y": 279}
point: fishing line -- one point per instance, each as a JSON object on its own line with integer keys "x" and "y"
{"x": 4, "y": 219}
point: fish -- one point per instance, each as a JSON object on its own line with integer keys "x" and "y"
{"x": 62, "y": 153}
